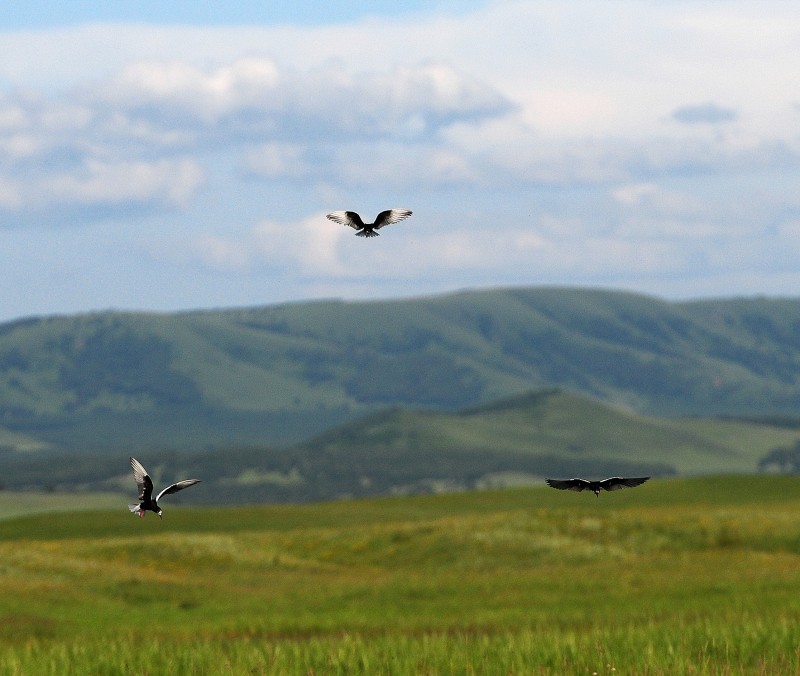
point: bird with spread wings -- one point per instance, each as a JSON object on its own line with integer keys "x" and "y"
{"x": 613, "y": 483}
{"x": 352, "y": 219}
{"x": 145, "y": 485}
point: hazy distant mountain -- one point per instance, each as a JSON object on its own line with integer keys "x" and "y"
{"x": 277, "y": 375}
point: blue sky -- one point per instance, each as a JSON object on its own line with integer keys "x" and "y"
{"x": 37, "y": 14}
{"x": 161, "y": 156}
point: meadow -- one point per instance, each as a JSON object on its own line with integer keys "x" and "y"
{"x": 680, "y": 576}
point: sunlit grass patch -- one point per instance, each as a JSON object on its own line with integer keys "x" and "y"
{"x": 519, "y": 581}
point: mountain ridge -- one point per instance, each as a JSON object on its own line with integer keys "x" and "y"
{"x": 280, "y": 374}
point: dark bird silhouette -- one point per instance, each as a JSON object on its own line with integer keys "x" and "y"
{"x": 145, "y": 484}
{"x": 352, "y": 219}
{"x": 613, "y": 483}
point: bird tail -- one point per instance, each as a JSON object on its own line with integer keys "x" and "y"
{"x": 136, "y": 509}
{"x": 366, "y": 233}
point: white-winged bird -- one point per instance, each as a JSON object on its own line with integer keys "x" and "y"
{"x": 613, "y": 483}
{"x": 145, "y": 484}
{"x": 352, "y": 219}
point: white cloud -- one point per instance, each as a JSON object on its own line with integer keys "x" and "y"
{"x": 310, "y": 246}
{"x": 10, "y": 195}
{"x": 556, "y": 100}
{"x": 165, "y": 183}
{"x": 632, "y": 142}
{"x": 634, "y": 193}
{"x": 277, "y": 160}
{"x": 305, "y": 257}
{"x": 313, "y": 248}
{"x": 120, "y": 182}
{"x": 113, "y": 140}
{"x": 221, "y": 253}
{"x": 12, "y": 117}
{"x": 254, "y": 97}
{"x": 170, "y": 87}
{"x": 651, "y": 199}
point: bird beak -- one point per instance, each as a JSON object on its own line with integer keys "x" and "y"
{"x": 159, "y": 515}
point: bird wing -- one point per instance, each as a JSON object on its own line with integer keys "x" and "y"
{"x": 143, "y": 480}
{"x": 390, "y": 216}
{"x": 568, "y": 484}
{"x": 178, "y": 486}
{"x": 615, "y": 483}
{"x": 350, "y": 218}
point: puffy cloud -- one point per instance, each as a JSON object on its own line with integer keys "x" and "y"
{"x": 530, "y": 108}
{"x": 165, "y": 181}
{"x": 642, "y": 144}
{"x": 650, "y": 198}
{"x": 175, "y": 89}
{"x": 634, "y": 193}
{"x": 126, "y": 139}
{"x": 277, "y": 160}
{"x": 309, "y": 246}
{"x": 255, "y": 98}
{"x": 312, "y": 252}
{"x": 10, "y": 195}
{"x": 97, "y": 184}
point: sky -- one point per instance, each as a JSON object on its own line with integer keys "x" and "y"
{"x": 172, "y": 156}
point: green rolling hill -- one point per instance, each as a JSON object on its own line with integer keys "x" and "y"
{"x": 514, "y": 441}
{"x": 277, "y": 375}
{"x": 321, "y": 400}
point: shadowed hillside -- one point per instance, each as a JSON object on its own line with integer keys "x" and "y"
{"x": 514, "y": 441}
{"x": 278, "y": 375}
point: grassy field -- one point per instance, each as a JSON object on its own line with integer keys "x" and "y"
{"x": 679, "y": 576}
{"x": 14, "y": 504}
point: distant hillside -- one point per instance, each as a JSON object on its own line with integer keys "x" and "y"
{"x": 545, "y": 433}
{"x": 277, "y": 375}
{"x": 513, "y": 441}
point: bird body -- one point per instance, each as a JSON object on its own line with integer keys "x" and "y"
{"x": 145, "y": 485}
{"x": 352, "y": 219}
{"x": 613, "y": 483}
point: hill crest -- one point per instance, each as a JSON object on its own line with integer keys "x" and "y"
{"x": 280, "y": 374}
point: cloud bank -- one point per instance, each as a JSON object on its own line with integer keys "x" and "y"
{"x": 652, "y": 146}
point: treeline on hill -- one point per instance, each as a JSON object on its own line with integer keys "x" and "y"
{"x": 276, "y": 376}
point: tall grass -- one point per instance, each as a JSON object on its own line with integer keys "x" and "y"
{"x": 687, "y": 650}
{"x": 669, "y": 578}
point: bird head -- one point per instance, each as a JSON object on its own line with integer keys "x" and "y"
{"x": 159, "y": 514}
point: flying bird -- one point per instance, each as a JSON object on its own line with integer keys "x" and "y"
{"x": 352, "y": 219}
{"x": 613, "y": 483}
{"x": 145, "y": 484}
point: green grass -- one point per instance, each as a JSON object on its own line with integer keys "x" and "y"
{"x": 678, "y": 576}
{"x": 14, "y": 504}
